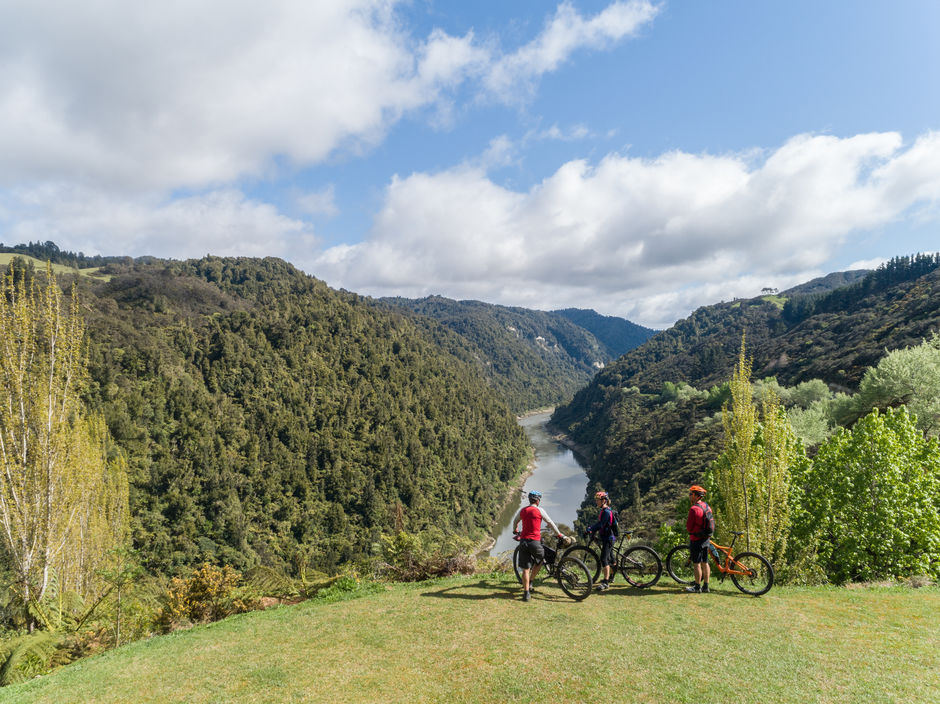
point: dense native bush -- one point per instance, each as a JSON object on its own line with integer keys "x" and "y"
{"x": 868, "y": 501}
{"x": 408, "y": 557}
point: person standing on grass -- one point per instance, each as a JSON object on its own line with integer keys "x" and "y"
{"x": 605, "y": 535}
{"x": 699, "y": 525}
{"x": 532, "y": 552}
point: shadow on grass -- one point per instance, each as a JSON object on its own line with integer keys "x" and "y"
{"x": 673, "y": 588}
{"x": 484, "y": 589}
{"x": 498, "y": 589}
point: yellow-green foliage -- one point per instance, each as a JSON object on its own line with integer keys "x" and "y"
{"x": 63, "y": 505}
{"x": 753, "y": 473}
{"x": 208, "y": 594}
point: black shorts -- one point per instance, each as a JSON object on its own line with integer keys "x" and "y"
{"x": 531, "y": 553}
{"x": 607, "y": 553}
{"x": 699, "y": 550}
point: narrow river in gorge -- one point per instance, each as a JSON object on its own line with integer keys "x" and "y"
{"x": 558, "y": 475}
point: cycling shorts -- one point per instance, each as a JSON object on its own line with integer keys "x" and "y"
{"x": 699, "y": 550}
{"x": 607, "y": 553}
{"x": 531, "y": 553}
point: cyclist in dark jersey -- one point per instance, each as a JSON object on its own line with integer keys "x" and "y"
{"x": 605, "y": 535}
{"x": 532, "y": 552}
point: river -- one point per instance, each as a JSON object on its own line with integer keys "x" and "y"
{"x": 558, "y": 475}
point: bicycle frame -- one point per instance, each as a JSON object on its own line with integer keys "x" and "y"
{"x": 725, "y": 569}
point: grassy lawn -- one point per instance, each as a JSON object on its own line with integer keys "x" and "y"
{"x": 472, "y": 640}
{"x": 57, "y": 269}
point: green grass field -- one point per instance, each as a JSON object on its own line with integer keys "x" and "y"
{"x": 472, "y": 640}
{"x": 57, "y": 269}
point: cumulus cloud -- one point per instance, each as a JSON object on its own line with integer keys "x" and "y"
{"x": 644, "y": 238}
{"x": 172, "y": 95}
{"x": 222, "y": 222}
{"x": 195, "y": 95}
{"x": 567, "y": 32}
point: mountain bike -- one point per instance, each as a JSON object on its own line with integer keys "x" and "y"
{"x": 750, "y": 572}
{"x": 570, "y": 573}
{"x": 640, "y": 565}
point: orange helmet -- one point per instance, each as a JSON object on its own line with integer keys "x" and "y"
{"x": 697, "y": 489}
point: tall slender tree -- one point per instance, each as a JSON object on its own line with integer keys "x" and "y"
{"x": 737, "y": 467}
{"x": 752, "y": 476}
{"x": 63, "y": 505}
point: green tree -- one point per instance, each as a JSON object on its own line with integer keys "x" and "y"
{"x": 62, "y": 503}
{"x": 909, "y": 376}
{"x": 752, "y": 476}
{"x": 869, "y": 500}
{"x": 736, "y": 470}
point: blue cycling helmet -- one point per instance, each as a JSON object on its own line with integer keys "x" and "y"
{"x": 535, "y": 494}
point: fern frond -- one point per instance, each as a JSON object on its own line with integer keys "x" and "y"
{"x": 40, "y": 646}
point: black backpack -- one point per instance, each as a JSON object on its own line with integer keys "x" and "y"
{"x": 708, "y": 522}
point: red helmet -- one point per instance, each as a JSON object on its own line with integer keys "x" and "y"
{"x": 695, "y": 488}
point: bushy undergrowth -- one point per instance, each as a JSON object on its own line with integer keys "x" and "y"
{"x": 208, "y": 594}
{"x": 413, "y": 557}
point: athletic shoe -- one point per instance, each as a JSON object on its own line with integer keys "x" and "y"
{"x": 603, "y": 586}
{"x": 694, "y": 589}
{"x": 705, "y": 588}
{"x": 526, "y": 596}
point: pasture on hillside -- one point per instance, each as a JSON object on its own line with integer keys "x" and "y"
{"x": 470, "y": 639}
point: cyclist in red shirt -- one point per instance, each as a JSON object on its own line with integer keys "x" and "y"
{"x": 533, "y": 552}
{"x": 698, "y": 539}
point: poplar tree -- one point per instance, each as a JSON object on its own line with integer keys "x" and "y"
{"x": 736, "y": 469}
{"x": 63, "y": 504}
{"x": 752, "y": 476}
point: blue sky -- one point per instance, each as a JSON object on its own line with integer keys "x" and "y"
{"x": 639, "y": 158}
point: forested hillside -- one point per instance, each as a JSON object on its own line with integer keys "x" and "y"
{"x": 267, "y": 418}
{"x": 532, "y": 358}
{"x": 618, "y": 335}
{"x": 648, "y": 419}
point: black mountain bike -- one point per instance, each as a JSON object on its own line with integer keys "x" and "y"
{"x": 640, "y": 565}
{"x": 572, "y": 575}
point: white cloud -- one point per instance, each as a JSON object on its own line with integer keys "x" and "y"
{"x": 194, "y": 95}
{"x": 641, "y": 238}
{"x": 221, "y": 222}
{"x": 322, "y": 202}
{"x": 514, "y": 74}
{"x": 169, "y": 95}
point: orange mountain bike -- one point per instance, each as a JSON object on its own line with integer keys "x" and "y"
{"x": 750, "y": 572}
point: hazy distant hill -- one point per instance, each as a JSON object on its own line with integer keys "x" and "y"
{"x": 618, "y": 335}
{"x": 645, "y": 441}
{"x": 532, "y": 358}
{"x": 268, "y": 418}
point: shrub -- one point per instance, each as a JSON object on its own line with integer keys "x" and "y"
{"x": 208, "y": 594}
{"x": 412, "y": 557}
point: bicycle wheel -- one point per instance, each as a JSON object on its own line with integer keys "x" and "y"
{"x": 641, "y": 566}
{"x": 588, "y": 556}
{"x": 574, "y": 578}
{"x": 679, "y": 564}
{"x": 761, "y": 574}
{"x": 534, "y": 581}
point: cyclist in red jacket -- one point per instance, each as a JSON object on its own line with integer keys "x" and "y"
{"x": 533, "y": 552}
{"x": 699, "y": 535}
